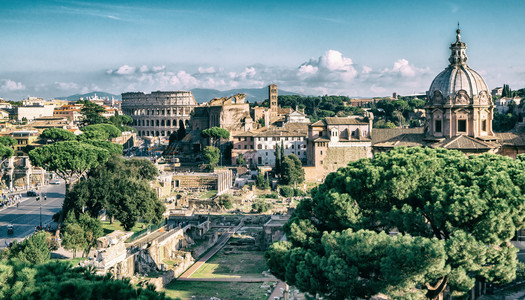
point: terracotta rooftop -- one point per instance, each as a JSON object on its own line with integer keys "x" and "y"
{"x": 345, "y": 121}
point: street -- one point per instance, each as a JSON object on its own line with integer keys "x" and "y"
{"x": 27, "y": 215}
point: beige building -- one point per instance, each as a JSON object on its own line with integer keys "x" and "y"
{"x": 336, "y": 141}
{"x": 258, "y": 146}
{"x": 70, "y": 111}
{"x": 160, "y": 113}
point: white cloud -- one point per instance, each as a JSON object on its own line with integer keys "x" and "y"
{"x": 144, "y": 69}
{"x": 66, "y": 85}
{"x": 10, "y": 85}
{"x": 158, "y": 69}
{"x": 403, "y": 68}
{"x": 366, "y": 70}
{"x": 330, "y": 67}
{"x": 123, "y": 70}
{"x": 208, "y": 70}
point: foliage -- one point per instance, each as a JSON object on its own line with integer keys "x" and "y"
{"x": 384, "y": 124}
{"x": 113, "y": 148}
{"x": 286, "y": 191}
{"x": 93, "y": 135}
{"x": 69, "y": 160}
{"x": 57, "y": 280}
{"x": 121, "y": 122}
{"x": 92, "y": 112}
{"x": 240, "y": 160}
{"x": 7, "y": 141}
{"x": 81, "y": 233}
{"x": 455, "y": 214}
{"x": 34, "y": 249}
{"x": 211, "y": 156}
{"x": 122, "y": 188}
{"x": 57, "y": 135}
{"x": 181, "y": 132}
{"x": 503, "y": 121}
{"x": 507, "y": 92}
{"x": 110, "y": 129}
{"x": 226, "y": 200}
{"x": 215, "y": 134}
{"x": 271, "y": 195}
{"x": 292, "y": 171}
{"x": 298, "y": 193}
{"x": 261, "y": 206}
{"x": 261, "y": 122}
{"x": 318, "y": 107}
{"x": 260, "y": 181}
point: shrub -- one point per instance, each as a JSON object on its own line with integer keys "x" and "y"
{"x": 286, "y": 191}
{"x": 271, "y": 195}
{"x": 261, "y": 206}
{"x": 298, "y": 193}
{"x": 226, "y": 200}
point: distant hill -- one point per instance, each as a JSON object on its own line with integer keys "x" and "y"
{"x": 252, "y": 95}
{"x": 99, "y": 94}
{"x": 201, "y": 95}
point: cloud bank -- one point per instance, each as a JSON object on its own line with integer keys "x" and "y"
{"x": 330, "y": 73}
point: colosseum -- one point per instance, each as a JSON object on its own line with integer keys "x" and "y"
{"x": 159, "y": 113}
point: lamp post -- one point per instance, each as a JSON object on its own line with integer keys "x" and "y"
{"x": 40, "y": 215}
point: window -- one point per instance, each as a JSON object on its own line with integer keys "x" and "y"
{"x": 245, "y": 146}
{"x": 321, "y": 152}
{"x": 484, "y": 125}
{"x": 266, "y": 147}
{"x": 259, "y": 146}
{"x": 292, "y": 146}
{"x": 251, "y": 146}
{"x": 462, "y": 125}
{"x": 239, "y": 147}
{"x": 437, "y": 126}
{"x": 266, "y": 153}
{"x": 259, "y": 160}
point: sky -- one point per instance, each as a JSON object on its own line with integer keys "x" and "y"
{"x": 353, "y": 48}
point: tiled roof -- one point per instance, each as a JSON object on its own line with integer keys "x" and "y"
{"x": 380, "y": 135}
{"x": 345, "y": 121}
{"x": 511, "y": 138}
{"x": 464, "y": 142}
{"x": 319, "y": 123}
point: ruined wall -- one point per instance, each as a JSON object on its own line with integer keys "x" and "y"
{"x": 336, "y": 157}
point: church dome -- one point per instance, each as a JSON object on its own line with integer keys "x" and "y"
{"x": 458, "y": 76}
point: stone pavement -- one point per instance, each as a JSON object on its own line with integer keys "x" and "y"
{"x": 278, "y": 291}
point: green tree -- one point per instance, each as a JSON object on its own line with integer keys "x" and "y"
{"x": 34, "y": 249}
{"x": 70, "y": 160}
{"x": 292, "y": 171}
{"x": 211, "y": 156}
{"x": 260, "y": 182}
{"x": 7, "y": 141}
{"x": 261, "y": 206}
{"x": 58, "y": 280}
{"x": 57, "y": 135}
{"x": 384, "y": 124}
{"x": 215, "y": 134}
{"x": 278, "y": 158}
{"x": 122, "y": 187}
{"x": 73, "y": 237}
{"x": 226, "y": 200}
{"x": 92, "y": 112}
{"x": 240, "y": 160}
{"x": 455, "y": 215}
{"x": 110, "y": 129}
{"x": 113, "y": 148}
{"x": 181, "y": 132}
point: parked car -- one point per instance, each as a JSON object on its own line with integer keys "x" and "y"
{"x": 31, "y": 193}
{"x": 10, "y": 229}
{"x": 56, "y": 181}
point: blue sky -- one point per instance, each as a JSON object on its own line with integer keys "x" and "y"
{"x": 354, "y": 48}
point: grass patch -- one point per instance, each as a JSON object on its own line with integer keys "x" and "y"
{"x": 233, "y": 265}
{"x": 223, "y": 290}
{"x": 109, "y": 228}
{"x": 72, "y": 261}
{"x": 208, "y": 194}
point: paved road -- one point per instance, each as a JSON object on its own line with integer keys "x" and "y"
{"x": 27, "y": 215}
